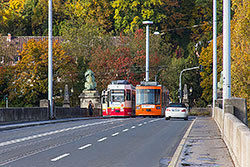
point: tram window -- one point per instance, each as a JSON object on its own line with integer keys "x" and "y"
{"x": 128, "y": 95}
{"x": 116, "y": 98}
{"x": 148, "y": 96}
{"x": 157, "y": 97}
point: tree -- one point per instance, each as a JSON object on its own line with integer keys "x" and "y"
{"x": 99, "y": 12}
{"x": 206, "y": 60}
{"x": 240, "y": 68}
{"x": 125, "y": 59}
{"x": 7, "y": 50}
{"x": 163, "y": 13}
{"x": 80, "y": 38}
{"x": 29, "y": 83}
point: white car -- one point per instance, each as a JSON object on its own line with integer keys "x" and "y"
{"x": 176, "y": 110}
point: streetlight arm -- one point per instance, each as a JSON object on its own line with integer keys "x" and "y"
{"x": 187, "y": 69}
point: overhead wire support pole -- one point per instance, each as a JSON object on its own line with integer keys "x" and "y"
{"x": 214, "y": 53}
{"x": 187, "y": 69}
{"x": 147, "y": 48}
{"x": 50, "y": 63}
{"x": 226, "y": 51}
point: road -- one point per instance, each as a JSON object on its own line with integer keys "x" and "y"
{"x": 120, "y": 142}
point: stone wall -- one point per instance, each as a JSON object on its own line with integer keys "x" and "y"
{"x": 236, "y": 135}
{"x": 15, "y": 115}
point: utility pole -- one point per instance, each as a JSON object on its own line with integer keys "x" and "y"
{"x": 214, "y": 53}
{"x": 50, "y": 65}
{"x": 187, "y": 69}
{"x": 226, "y": 51}
{"x": 147, "y": 48}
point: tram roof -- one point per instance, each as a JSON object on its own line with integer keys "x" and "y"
{"x": 120, "y": 82}
{"x": 143, "y": 83}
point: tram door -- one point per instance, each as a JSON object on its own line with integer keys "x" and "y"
{"x": 105, "y": 103}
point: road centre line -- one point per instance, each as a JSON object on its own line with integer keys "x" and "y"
{"x": 132, "y": 127}
{"x": 139, "y": 124}
{"x": 115, "y": 134}
{"x": 102, "y": 139}
{"x": 51, "y": 133}
{"x": 85, "y": 146}
{"x": 125, "y": 130}
{"x": 145, "y": 123}
{"x": 60, "y": 157}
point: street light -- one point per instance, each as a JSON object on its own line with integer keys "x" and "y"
{"x": 187, "y": 69}
{"x": 50, "y": 63}
{"x": 147, "y": 48}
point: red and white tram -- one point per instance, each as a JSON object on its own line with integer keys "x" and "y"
{"x": 118, "y": 100}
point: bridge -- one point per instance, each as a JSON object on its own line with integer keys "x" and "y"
{"x": 74, "y": 138}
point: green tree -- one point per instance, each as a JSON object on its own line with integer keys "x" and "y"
{"x": 163, "y": 13}
{"x": 80, "y": 38}
{"x": 99, "y": 12}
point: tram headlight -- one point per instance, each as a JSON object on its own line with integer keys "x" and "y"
{"x": 138, "y": 107}
{"x": 158, "y": 107}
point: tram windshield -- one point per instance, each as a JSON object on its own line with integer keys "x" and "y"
{"x": 148, "y": 96}
{"x": 117, "y": 95}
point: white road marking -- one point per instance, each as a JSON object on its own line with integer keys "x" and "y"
{"x": 139, "y": 124}
{"x": 151, "y": 121}
{"x": 115, "y": 134}
{"x": 125, "y": 130}
{"x": 85, "y": 146}
{"x": 132, "y": 127}
{"x": 102, "y": 139}
{"x": 145, "y": 123}
{"x": 60, "y": 157}
{"x": 51, "y": 133}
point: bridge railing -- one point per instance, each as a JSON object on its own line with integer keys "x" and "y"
{"x": 235, "y": 133}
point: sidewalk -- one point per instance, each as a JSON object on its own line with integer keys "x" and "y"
{"x": 204, "y": 146}
{"x": 35, "y": 123}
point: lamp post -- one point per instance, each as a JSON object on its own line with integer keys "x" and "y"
{"x": 187, "y": 69}
{"x": 147, "y": 48}
{"x": 226, "y": 51}
{"x": 50, "y": 63}
{"x": 214, "y": 53}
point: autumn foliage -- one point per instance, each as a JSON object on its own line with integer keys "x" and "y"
{"x": 240, "y": 56}
{"x": 30, "y": 80}
{"x": 124, "y": 62}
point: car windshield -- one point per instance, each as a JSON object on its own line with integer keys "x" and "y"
{"x": 177, "y": 105}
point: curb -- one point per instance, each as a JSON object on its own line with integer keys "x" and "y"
{"x": 179, "y": 149}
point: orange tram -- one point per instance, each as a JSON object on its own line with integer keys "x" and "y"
{"x": 151, "y": 99}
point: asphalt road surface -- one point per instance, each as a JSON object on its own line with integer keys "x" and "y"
{"x": 119, "y": 142}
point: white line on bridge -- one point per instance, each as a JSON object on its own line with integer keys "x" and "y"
{"x": 115, "y": 134}
{"x": 102, "y": 139}
{"x": 139, "y": 124}
{"x": 60, "y": 157}
{"x": 85, "y": 146}
{"x": 125, "y": 130}
{"x": 132, "y": 127}
{"x": 50, "y": 133}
